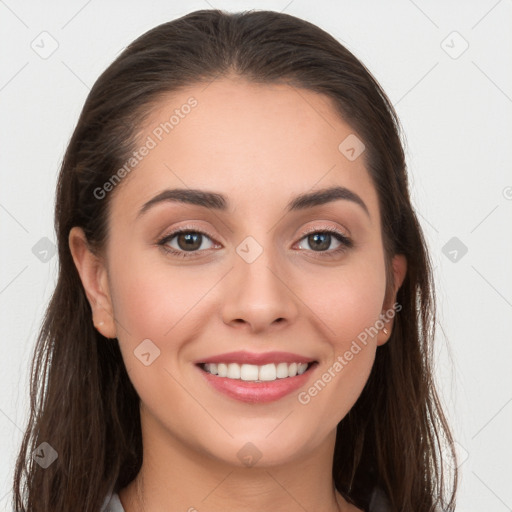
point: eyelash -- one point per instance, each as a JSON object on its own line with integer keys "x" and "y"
{"x": 345, "y": 242}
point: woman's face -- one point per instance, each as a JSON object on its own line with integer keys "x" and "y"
{"x": 256, "y": 274}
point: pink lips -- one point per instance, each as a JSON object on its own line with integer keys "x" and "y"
{"x": 258, "y": 359}
{"x": 257, "y": 392}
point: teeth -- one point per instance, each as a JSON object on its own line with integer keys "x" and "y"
{"x": 249, "y": 372}
{"x": 268, "y": 372}
{"x": 301, "y": 368}
{"x": 282, "y": 370}
{"x": 233, "y": 371}
{"x": 254, "y": 373}
{"x": 222, "y": 370}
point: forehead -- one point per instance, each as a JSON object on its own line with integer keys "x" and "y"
{"x": 256, "y": 142}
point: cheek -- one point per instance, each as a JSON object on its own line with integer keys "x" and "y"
{"x": 161, "y": 304}
{"x": 152, "y": 301}
{"x": 349, "y": 307}
{"x": 347, "y": 299}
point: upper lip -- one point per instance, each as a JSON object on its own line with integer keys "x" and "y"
{"x": 242, "y": 357}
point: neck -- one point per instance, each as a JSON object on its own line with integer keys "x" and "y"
{"x": 176, "y": 477}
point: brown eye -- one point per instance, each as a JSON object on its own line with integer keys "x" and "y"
{"x": 186, "y": 241}
{"x": 320, "y": 241}
{"x": 189, "y": 241}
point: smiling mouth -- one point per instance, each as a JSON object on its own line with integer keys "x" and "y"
{"x": 256, "y": 373}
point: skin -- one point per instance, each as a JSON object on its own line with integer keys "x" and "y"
{"x": 260, "y": 146}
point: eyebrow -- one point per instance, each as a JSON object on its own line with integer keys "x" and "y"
{"x": 219, "y": 202}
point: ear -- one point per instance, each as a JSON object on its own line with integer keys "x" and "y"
{"x": 94, "y": 277}
{"x": 399, "y": 269}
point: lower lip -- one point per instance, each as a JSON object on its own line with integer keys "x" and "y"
{"x": 258, "y": 392}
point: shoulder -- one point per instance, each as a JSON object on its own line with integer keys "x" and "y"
{"x": 112, "y": 503}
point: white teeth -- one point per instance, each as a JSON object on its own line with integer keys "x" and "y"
{"x": 268, "y": 372}
{"x": 252, "y": 372}
{"x": 233, "y": 371}
{"x": 222, "y": 370}
{"x": 249, "y": 372}
{"x": 282, "y": 370}
{"x": 301, "y": 368}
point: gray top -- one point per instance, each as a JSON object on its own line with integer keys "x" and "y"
{"x": 112, "y": 503}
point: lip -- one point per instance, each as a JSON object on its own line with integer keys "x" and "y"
{"x": 257, "y": 392}
{"x": 243, "y": 357}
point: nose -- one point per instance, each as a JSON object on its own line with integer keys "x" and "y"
{"x": 259, "y": 296}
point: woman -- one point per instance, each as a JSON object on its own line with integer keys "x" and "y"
{"x": 244, "y": 310}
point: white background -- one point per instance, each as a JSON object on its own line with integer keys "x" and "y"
{"x": 456, "y": 113}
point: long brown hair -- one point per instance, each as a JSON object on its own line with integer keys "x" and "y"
{"x": 82, "y": 402}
